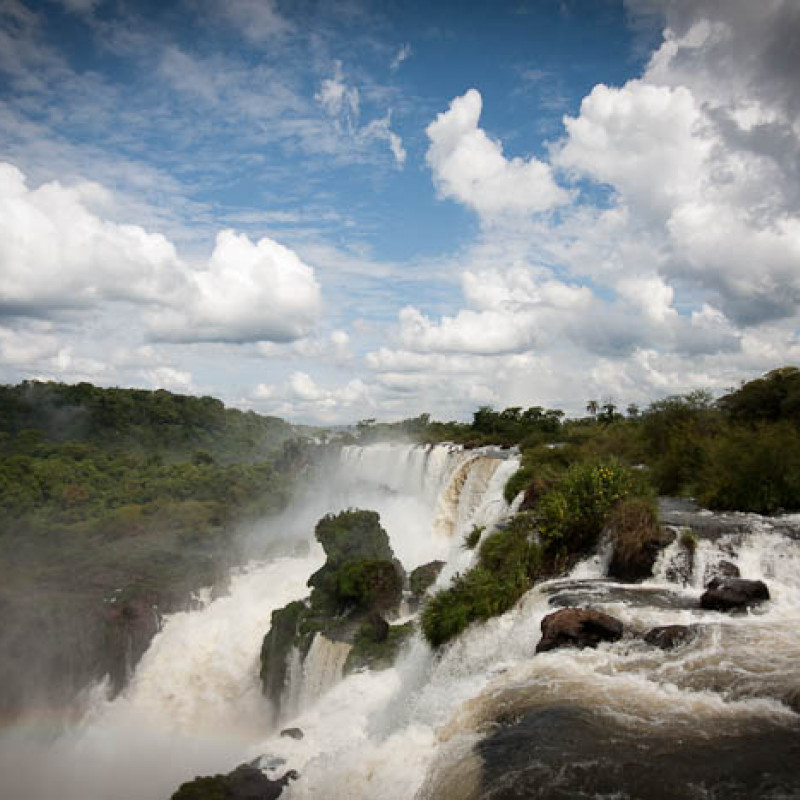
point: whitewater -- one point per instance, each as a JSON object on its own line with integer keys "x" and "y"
{"x": 443, "y": 725}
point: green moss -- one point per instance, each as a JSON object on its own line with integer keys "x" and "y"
{"x": 373, "y": 650}
{"x": 285, "y": 624}
{"x": 423, "y": 577}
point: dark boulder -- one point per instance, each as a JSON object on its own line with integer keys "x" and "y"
{"x": 669, "y": 636}
{"x": 578, "y": 627}
{"x": 292, "y": 733}
{"x": 730, "y": 594}
{"x": 244, "y": 783}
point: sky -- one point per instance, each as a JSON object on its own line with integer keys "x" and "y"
{"x": 332, "y": 211}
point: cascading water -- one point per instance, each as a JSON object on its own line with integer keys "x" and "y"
{"x": 465, "y": 723}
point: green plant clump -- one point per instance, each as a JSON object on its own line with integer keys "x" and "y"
{"x": 574, "y": 513}
{"x": 498, "y": 580}
{"x": 473, "y": 537}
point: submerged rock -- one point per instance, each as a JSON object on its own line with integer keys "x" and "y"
{"x": 722, "y": 569}
{"x": 669, "y": 636}
{"x": 244, "y": 783}
{"x": 578, "y": 627}
{"x": 292, "y": 733}
{"x": 730, "y": 594}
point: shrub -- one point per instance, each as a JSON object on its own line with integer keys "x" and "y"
{"x": 753, "y": 469}
{"x": 635, "y": 538}
{"x": 490, "y": 588}
{"x": 363, "y": 584}
{"x": 574, "y": 513}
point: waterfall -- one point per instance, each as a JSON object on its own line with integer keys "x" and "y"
{"x": 433, "y": 726}
{"x": 322, "y": 668}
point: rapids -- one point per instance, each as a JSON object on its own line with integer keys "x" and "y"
{"x": 483, "y": 718}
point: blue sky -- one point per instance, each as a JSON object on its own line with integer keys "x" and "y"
{"x": 332, "y": 211}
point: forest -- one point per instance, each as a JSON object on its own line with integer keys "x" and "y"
{"x": 116, "y": 502}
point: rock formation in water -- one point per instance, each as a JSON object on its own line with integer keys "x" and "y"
{"x": 359, "y": 585}
{"x": 578, "y": 627}
{"x": 244, "y": 783}
{"x": 732, "y": 594}
{"x": 668, "y": 637}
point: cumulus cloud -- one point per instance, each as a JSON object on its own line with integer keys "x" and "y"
{"x": 57, "y": 253}
{"x": 302, "y": 397}
{"x": 249, "y": 291}
{"x": 702, "y": 153}
{"x": 470, "y": 167}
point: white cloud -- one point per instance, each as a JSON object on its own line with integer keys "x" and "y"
{"x": 249, "y": 291}
{"x": 257, "y": 20}
{"x": 171, "y": 379}
{"x": 56, "y": 253}
{"x": 381, "y": 129}
{"x": 339, "y": 100}
{"x": 80, "y": 6}
{"x": 342, "y": 103}
{"x": 403, "y": 54}
{"x": 470, "y": 167}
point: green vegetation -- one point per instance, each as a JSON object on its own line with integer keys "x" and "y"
{"x": 741, "y": 452}
{"x": 114, "y": 501}
{"x": 688, "y": 540}
{"x": 360, "y": 581}
{"x": 359, "y": 569}
{"x": 500, "y": 577}
{"x": 635, "y": 538}
{"x": 535, "y": 545}
{"x": 573, "y": 513}
{"x": 376, "y": 647}
{"x": 473, "y": 537}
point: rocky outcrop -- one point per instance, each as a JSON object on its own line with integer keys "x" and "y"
{"x": 423, "y": 577}
{"x": 578, "y": 627}
{"x": 244, "y": 783}
{"x": 667, "y": 637}
{"x": 732, "y": 594}
{"x": 359, "y": 585}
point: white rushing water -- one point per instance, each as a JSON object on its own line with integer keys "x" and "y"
{"x": 194, "y": 706}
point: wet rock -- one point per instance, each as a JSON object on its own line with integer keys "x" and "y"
{"x": 722, "y": 569}
{"x": 729, "y": 594}
{"x": 567, "y": 752}
{"x": 668, "y": 637}
{"x": 292, "y": 733}
{"x": 244, "y": 783}
{"x": 578, "y": 627}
